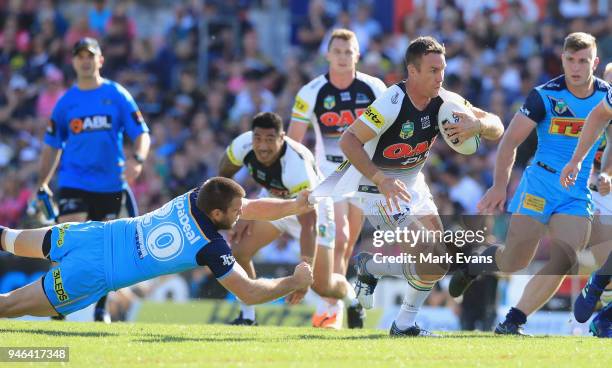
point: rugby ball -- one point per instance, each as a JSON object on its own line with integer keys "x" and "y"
{"x": 447, "y": 115}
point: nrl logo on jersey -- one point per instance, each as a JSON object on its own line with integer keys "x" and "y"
{"x": 407, "y": 130}
{"x": 560, "y": 107}
{"x": 329, "y": 102}
{"x": 345, "y": 96}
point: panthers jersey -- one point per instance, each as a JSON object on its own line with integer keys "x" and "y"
{"x": 174, "y": 238}
{"x": 295, "y": 169}
{"x": 331, "y": 110}
{"x": 88, "y": 125}
{"x": 559, "y": 116}
{"x": 404, "y": 134}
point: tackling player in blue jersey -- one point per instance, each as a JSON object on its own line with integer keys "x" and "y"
{"x": 557, "y": 110}
{"x": 94, "y": 258}
{"x": 85, "y": 134}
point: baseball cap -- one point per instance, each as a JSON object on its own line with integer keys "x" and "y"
{"x": 87, "y": 43}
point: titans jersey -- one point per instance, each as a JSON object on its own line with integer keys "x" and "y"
{"x": 174, "y": 238}
{"x": 560, "y": 116}
{"x": 331, "y": 110}
{"x": 294, "y": 171}
{"x": 88, "y": 125}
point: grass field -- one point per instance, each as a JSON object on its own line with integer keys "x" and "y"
{"x": 153, "y": 344}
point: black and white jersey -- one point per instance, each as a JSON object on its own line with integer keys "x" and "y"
{"x": 331, "y": 110}
{"x": 404, "y": 134}
{"x": 294, "y": 171}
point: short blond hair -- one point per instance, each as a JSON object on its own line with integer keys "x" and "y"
{"x": 579, "y": 41}
{"x": 343, "y": 34}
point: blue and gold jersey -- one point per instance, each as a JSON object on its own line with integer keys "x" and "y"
{"x": 174, "y": 238}
{"x": 560, "y": 116}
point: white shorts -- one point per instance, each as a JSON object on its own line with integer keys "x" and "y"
{"x": 326, "y": 227}
{"x": 375, "y": 208}
{"x": 603, "y": 204}
{"x": 328, "y": 167}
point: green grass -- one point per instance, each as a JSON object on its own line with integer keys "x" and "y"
{"x": 153, "y": 344}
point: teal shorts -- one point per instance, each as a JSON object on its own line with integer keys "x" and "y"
{"x": 79, "y": 278}
{"x": 540, "y": 195}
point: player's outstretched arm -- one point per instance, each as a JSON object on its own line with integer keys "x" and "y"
{"x": 269, "y": 209}
{"x": 598, "y": 118}
{"x": 264, "y": 290}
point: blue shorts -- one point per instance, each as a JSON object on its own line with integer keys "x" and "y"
{"x": 79, "y": 279}
{"x": 540, "y": 195}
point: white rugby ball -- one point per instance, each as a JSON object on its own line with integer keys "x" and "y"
{"x": 446, "y": 115}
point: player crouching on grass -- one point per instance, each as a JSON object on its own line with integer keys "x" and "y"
{"x": 94, "y": 258}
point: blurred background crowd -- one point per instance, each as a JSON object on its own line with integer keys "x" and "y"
{"x": 200, "y": 69}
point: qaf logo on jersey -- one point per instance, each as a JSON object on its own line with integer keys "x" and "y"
{"x": 407, "y": 130}
{"x": 329, "y": 102}
{"x": 90, "y": 124}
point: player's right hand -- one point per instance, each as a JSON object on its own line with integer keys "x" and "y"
{"x": 242, "y": 229}
{"x": 303, "y": 275}
{"x": 569, "y": 174}
{"x": 493, "y": 200}
{"x": 394, "y": 191}
{"x": 303, "y": 202}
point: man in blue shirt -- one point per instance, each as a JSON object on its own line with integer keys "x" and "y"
{"x": 557, "y": 109}
{"x": 85, "y": 135}
{"x": 94, "y": 258}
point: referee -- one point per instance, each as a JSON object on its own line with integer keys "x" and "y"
{"x": 85, "y": 137}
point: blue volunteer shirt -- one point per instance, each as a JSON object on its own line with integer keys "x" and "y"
{"x": 174, "y": 238}
{"x": 88, "y": 125}
{"x": 560, "y": 116}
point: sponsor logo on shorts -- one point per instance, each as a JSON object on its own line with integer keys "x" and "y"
{"x": 534, "y": 203}
{"x": 569, "y": 127}
{"x": 58, "y": 286}
{"x": 90, "y": 123}
{"x": 374, "y": 117}
{"x": 322, "y": 231}
{"x": 61, "y": 233}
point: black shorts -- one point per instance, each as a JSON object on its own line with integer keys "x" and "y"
{"x": 98, "y": 206}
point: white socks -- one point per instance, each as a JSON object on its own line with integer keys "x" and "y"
{"x": 248, "y": 311}
{"x": 415, "y": 296}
